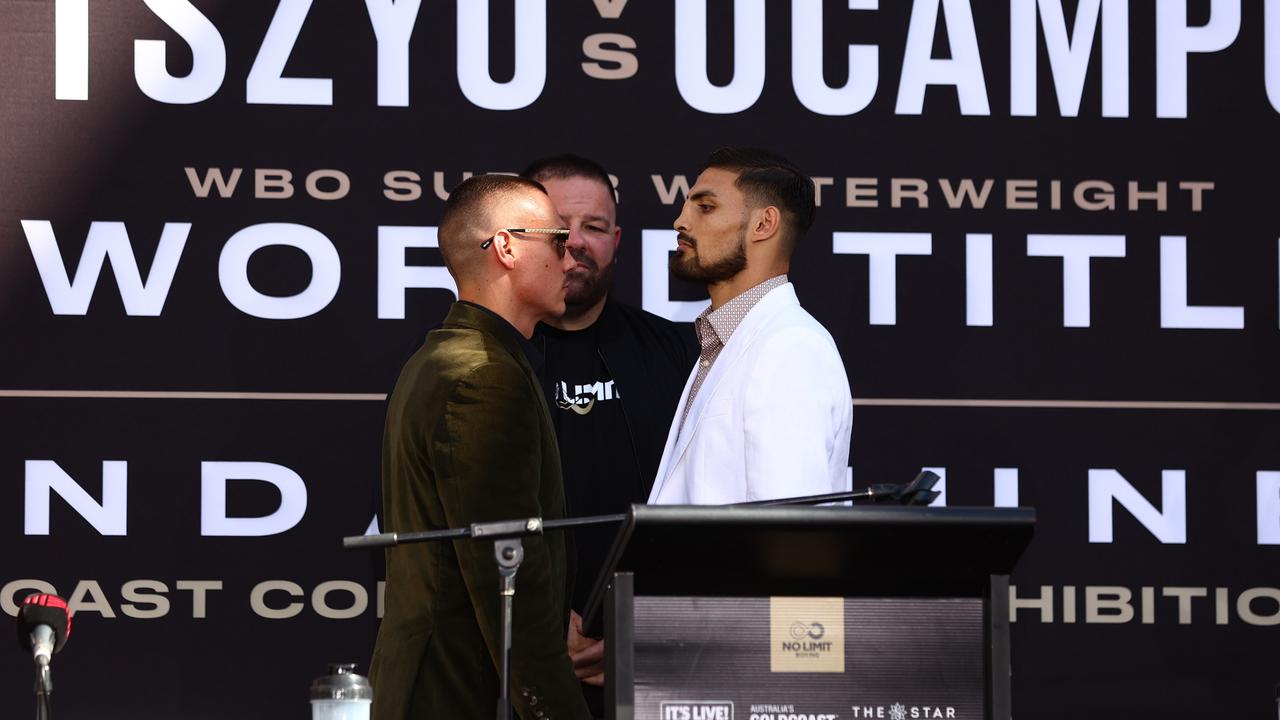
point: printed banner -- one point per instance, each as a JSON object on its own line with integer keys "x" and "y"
{"x": 1046, "y": 247}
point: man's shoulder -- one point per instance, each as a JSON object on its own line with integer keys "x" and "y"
{"x": 451, "y": 354}
{"x": 790, "y": 329}
{"x": 798, "y": 322}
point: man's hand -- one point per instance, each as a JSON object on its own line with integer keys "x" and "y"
{"x": 586, "y": 653}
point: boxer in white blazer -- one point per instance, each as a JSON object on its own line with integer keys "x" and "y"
{"x": 767, "y": 412}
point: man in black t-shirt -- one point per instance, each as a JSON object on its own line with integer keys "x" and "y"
{"x": 614, "y": 375}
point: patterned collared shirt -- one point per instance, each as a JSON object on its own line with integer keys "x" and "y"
{"x": 715, "y": 327}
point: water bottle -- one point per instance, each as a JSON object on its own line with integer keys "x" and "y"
{"x": 341, "y": 695}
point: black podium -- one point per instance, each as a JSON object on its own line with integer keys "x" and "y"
{"x": 799, "y": 613}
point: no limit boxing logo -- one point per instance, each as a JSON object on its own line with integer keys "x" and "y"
{"x": 813, "y": 631}
{"x": 806, "y": 634}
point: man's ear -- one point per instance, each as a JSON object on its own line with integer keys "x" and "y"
{"x": 765, "y": 223}
{"x": 504, "y": 250}
{"x": 617, "y": 237}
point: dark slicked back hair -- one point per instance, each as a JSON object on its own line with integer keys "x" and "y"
{"x": 468, "y": 212}
{"x": 765, "y": 179}
{"x": 568, "y": 165}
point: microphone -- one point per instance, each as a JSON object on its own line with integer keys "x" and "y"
{"x": 44, "y": 624}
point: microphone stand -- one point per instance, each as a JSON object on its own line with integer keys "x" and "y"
{"x": 44, "y": 692}
{"x": 508, "y": 549}
{"x": 917, "y": 492}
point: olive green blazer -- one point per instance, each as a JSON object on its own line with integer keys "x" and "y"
{"x": 468, "y": 438}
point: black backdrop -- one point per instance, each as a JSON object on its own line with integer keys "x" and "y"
{"x": 130, "y": 401}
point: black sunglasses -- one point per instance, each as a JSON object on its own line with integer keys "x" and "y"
{"x": 560, "y": 237}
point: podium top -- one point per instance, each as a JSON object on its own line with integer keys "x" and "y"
{"x": 882, "y": 551}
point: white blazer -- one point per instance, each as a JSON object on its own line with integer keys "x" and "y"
{"x": 772, "y": 419}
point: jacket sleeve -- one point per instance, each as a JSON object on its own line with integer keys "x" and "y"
{"x": 490, "y": 461}
{"x": 797, "y": 418}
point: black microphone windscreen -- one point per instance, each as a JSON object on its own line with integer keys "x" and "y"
{"x": 42, "y": 609}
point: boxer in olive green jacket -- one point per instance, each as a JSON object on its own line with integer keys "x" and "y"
{"x": 468, "y": 438}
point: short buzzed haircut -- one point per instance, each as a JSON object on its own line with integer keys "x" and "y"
{"x": 466, "y": 220}
{"x": 568, "y": 165}
{"x": 766, "y": 178}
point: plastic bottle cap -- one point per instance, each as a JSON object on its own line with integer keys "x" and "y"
{"x": 342, "y": 683}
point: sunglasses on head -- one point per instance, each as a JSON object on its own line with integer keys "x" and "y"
{"x": 560, "y": 236}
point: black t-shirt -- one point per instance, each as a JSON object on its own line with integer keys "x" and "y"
{"x": 601, "y": 475}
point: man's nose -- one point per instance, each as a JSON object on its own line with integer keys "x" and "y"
{"x": 680, "y": 224}
{"x": 576, "y": 240}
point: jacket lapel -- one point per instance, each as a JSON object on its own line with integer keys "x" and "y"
{"x": 740, "y": 342}
{"x": 668, "y": 451}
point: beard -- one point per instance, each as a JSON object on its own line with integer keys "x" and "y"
{"x": 587, "y": 285}
{"x": 688, "y": 266}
